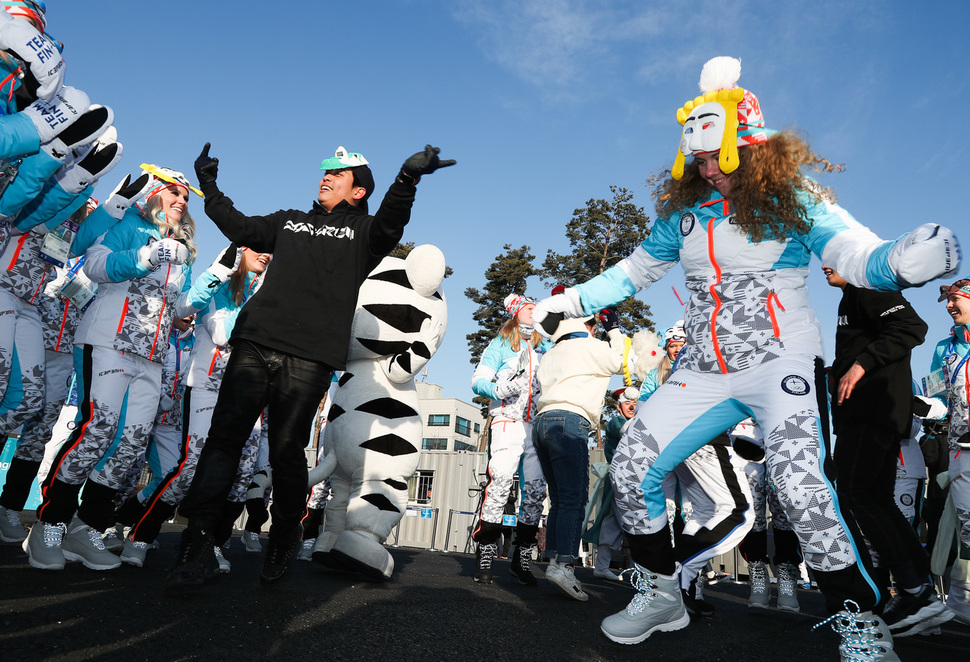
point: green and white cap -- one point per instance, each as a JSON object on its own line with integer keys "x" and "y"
{"x": 343, "y": 159}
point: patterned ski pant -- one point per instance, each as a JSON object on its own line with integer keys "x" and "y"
{"x": 510, "y": 450}
{"x": 785, "y": 396}
{"x": 21, "y": 363}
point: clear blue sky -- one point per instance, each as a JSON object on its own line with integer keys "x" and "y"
{"x": 545, "y": 104}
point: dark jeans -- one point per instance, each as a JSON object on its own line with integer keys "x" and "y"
{"x": 258, "y": 377}
{"x": 561, "y": 439}
{"x": 865, "y": 456}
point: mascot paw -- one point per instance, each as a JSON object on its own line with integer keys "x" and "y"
{"x": 364, "y": 554}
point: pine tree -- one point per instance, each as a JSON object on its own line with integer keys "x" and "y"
{"x": 507, "y": 274}
{"x": 600, "y": 235}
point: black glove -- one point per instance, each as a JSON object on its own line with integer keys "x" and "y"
{"x": 228, "y": 258}
{"x": 422, "y": 163}
{"x": 609, "y": 319}
{"x": 132, "y": 189}
{"x": 206, "y": 168}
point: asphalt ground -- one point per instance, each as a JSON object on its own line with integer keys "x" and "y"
{"x": 430, "y": 610}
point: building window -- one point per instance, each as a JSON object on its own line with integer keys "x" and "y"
{"x": 434, "y": 444}
{"x": 462, "y": 446}
{"x": 478, "y": 428}
{"x": 419, "y": 486}
{"x": 439, "y": 419}
{"x": 463, "y": 426}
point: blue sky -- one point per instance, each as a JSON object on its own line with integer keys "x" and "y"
{"x": 545, "y": 104}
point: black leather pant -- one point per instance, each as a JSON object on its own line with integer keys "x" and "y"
{"x": 258, "y": 377}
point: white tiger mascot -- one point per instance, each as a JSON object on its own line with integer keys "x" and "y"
{"x": 373, "y": 434}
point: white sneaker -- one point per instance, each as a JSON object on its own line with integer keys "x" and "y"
{"x": 224, "y": 565}
{"x": 306, "y": 550}
{"x": 84, "y": 544}
{"x": 134, "y": 552}
{"x": 11, "y": 530}
{"x": 564, "y": 577}
{"x": 43, "y": 546}
{"x": 606, "y": 574}
{"x": 251, "y": 542}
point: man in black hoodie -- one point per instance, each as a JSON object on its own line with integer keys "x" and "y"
{"x": 872, "y": 411}
{"x": 287, "y": 341}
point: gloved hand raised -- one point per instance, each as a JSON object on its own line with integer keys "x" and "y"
{"x": 19, "y": 38}
{"x": 423, "y": 163}
{"x": 125, "y": 194}
{"x": 167, "y": 250}
{"x": 226, "y": 264}
{"x": 930, "y": 251}
{"x": 206, "y": 167}
{"x": 609, "y": 319}
{"x": 96, "y": 161}
{"x": 549, "y": 312}
{"x": 53, "y": 116}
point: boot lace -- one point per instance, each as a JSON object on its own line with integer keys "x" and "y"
{"x": 488, "y": 551}
{"x": 860, "y": 636}
{"x": 758, "y": 574}
{"x": 54, "y": 534}
{"x": 641, "y": 580}
{"x": 786, "y": 579}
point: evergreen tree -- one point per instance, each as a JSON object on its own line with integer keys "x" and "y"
{"x": 600, "y": 235}
{"x": 507, "y": 274}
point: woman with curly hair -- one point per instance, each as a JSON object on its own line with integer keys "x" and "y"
{"x": 744, "y": 221}
{"x": 141, "y": 266}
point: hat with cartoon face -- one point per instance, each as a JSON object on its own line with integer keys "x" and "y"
{"x": 162, "y": 178}
{"x": 723, "y": 119}
{"x": 961, "y": 288}
{"x": 32, "y": 10}
{"x": 675, "y": 333}
{"x": 626, "y": 394}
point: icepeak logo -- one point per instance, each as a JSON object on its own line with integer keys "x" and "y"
{"x": 322, "y": 231}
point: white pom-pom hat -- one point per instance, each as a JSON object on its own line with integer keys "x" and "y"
{"x": 724, "y": 118}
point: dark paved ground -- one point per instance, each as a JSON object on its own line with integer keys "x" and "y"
{"x": 430, "y": 610}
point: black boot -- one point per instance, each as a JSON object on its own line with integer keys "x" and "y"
{"x": 196, "y": 561}
{"x": 486, "y": 535}
{"x": 279, "y": 556}
{"x": 696, "y": 608}
{"x": 525, "y": 540}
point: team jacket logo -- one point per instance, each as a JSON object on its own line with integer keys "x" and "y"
{"x": 323, "y": 231}
{"x": 687, "y": 222}
{"x": 795, "y": 385}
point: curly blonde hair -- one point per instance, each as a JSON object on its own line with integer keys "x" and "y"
{"x": 764, "y": 188}
{"x": 184, "y": 229}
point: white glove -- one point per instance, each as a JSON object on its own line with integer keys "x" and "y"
{"x": 930, "y": 251}
{"x": 75, "y": 176}
{"x": 226, "y": 263}
{"x": 164, "y": 250}
{"x": 88, "y": 128}
{"x": 929, "y": 409}
{"x": 125, "y": 194}
{"x": 507, "y": 386}
{"x": 38, "y": 53}
{"x": 549, "y": 312}
{"x": 52, "y": 117}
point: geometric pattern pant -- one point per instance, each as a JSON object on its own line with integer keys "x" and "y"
{"x": 118, "y": 392}
{"x": 21, "y": 363}
{"x": 510, "y": 449}
{"x": 786, "y": 396}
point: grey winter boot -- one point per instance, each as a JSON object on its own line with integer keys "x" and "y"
{"x": 865, "y": 637}
{"x": 658, "y": 606}
{"x": 760, "y": 586}
{"x": 788, "y": 576}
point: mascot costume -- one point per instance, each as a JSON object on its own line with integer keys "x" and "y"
{"x": 373, "y": 435}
